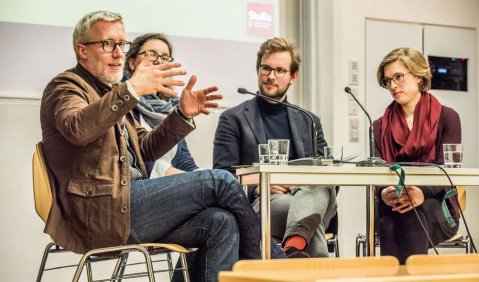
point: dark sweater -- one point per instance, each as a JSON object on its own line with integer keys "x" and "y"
{"x": 449, "y": 132}
{"x": 275, "y": 122}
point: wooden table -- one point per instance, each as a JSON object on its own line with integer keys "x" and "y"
{"x": 265, "y": 175}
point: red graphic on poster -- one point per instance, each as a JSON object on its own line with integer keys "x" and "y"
{"x": 260, "y": 19}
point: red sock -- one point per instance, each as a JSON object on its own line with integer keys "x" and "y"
{"x": 295, "y": 241}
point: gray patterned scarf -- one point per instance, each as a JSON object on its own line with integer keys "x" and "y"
{"x": 155, "y": 107}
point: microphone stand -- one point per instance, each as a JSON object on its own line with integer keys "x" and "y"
{"x": 315, "y": 160}
{"x": 371, "y": 160}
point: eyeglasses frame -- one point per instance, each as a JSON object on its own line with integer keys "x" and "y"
{"x": 273, "y": 70}
{"x": 102, "y": 42}
{"x": 164, "y": 58}
{"x": 401, "y": 78}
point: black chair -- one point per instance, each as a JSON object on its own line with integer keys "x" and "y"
{"x": 332, "y": 236}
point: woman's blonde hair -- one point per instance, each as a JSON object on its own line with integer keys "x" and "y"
{"x": 414, "y": 62}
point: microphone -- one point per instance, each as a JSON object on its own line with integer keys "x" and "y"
{"x": 372, "y": 160}
{"x": 315, "y": 159}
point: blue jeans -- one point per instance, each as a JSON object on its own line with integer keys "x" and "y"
{"x": 203, "y": 209}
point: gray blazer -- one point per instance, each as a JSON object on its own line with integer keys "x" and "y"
{"x": 240, "y": 130}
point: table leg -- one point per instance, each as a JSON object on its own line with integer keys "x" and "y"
{"x": 245, "y": 188}
{"x": 265, "y": 216}
{"x": 370, "y": 204}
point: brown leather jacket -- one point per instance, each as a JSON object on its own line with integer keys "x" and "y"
{"x": 85, "y": 150}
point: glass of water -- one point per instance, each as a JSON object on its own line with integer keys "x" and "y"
{"x": 263, "y": 153}
{"x": 278, "y": 151}
{"x": 333, "y": 153}
{"x": 452, "y": 155}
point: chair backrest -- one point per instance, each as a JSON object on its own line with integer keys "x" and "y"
{"x": 330, "y": 266}
{"x": 461, "y": 196}
{"x": 41, "y": 183}
{"x": 443, "y": 264}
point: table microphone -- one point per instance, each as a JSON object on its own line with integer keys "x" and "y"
{"x": 315, "y": 159}
{"x": 372, "y": 160}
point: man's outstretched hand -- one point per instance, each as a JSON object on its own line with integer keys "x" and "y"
{"x": 195, "y": 102}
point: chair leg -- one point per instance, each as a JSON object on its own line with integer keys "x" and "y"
{"x": 46, "y": 252}
{"x": 120, "y": 266}
{"x": 358, "y": 244}
{"x": 184, "y": 266}
{"x": 336, "y": 247}
{"x": 171, "y": 269}
{"x": 85, "y": 259}
{"x": 89, "y": 273}
{"x": 468, "y": 245}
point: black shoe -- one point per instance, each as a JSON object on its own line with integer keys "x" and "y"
{"x": 292, "y": 252}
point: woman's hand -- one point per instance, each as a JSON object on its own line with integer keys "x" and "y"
{"x": 402, "y": 204}
{"x": 388, "y": 197}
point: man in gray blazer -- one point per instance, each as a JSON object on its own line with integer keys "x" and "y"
{"x": 299, "y": 215}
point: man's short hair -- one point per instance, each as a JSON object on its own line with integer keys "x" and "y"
{"x": 277, "y": 44}
{"x": 82, "y": 28}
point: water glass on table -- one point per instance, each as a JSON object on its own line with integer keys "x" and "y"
{"x": 452, "y": 155}
{"x": 333, "y": 153}
{"x": 263, "y": 153}
{"x": 278, "y": 151}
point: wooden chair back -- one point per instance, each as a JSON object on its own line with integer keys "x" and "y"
{"x": 443, "y": 264}
{"x": 322, "y": 267}
{"x": 41, "y": 184}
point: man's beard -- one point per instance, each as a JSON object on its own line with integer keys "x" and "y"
{"x": 110, "y": 79}
{"x": 279, "y": 96}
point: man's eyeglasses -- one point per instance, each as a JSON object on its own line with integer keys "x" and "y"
{"x": 397, "y": 78}
{"x": 278, "y": 72}
{"x": 157, "y": 57}
{"x": 110, "y": 45}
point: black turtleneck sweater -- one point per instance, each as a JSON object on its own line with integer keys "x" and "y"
{"x": 276, "y": 122}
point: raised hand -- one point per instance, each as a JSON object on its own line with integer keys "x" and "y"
{"x": 150, "y": 78}
{"x": 195, "y": 102}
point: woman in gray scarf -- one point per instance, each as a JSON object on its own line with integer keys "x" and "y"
{"x": 153, "y": 108}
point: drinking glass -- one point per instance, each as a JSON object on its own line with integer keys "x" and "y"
{"x": 263, "y": 152}
{"x": 452, "y": 155}
{"x": 278, "y": 151}
{"x": 333, "y": 153}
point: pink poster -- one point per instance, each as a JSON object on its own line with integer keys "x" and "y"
{"x": 260, "y": 19}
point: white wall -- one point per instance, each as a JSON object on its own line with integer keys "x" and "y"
{"x": 347, "y": 32}
{"x": 36, "y": 45}
{"x": 22, "y": 240}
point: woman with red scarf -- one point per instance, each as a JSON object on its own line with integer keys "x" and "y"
{"x": 413, "y": 128}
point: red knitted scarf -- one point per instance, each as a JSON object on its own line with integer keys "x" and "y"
{"x": 416, "y": 145}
